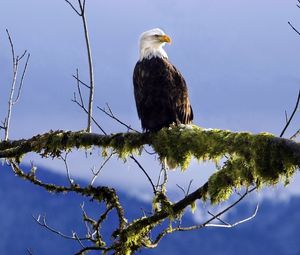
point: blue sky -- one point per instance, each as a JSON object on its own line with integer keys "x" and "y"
{"x": 240, "y": 60}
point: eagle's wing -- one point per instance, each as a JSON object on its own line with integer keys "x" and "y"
{"x": 161, "y": 94}
{"x": 179, "y": 97}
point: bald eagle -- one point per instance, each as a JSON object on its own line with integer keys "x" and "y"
{"x": 160, "y": 91}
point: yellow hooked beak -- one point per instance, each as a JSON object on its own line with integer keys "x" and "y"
{"x": 165, "y": 38}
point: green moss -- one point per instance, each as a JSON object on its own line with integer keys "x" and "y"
{"x": 243, "y": 159}
{"x": 162, "y": 203}
{"x": 133, "y": 238}
{"x": 253, "y": 159}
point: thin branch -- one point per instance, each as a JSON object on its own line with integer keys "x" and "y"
{"x": 78, "y": 239}
{"x": 228, "y": 225}
{"x": 89, "y": 232}
{"x": 22, "y": 56}
{"x": 218, "y": 218}
{"x": 103, "y": 216}
{"x": 294, "y": 136}
{"x": 44, "y": 224}
{"x": 159, "y": 177}
{"x": 189, "y": 187}
{"x": 294, "y": 27}
{"x": 81, "y": 103}
{"x": 100, "y": 168}
{"x": 72, "y": 6}
{"x": 92, "y": 248}
{"x": 291, "y": 117}
{"x": 10, "y": 101}
{"x": 91, "y": 67}
{"x": 111, "y": 115}
{"x": 83, "y": 6}
{"x": 15, "y": 65}
{"x": 222, "y": 212}
{"x": 90, "y": 61}
{"x": 78, "y": 88}
{"x": 182, "y": 189}
{"x": 207, "y": 223}
{"x": 64, "y": 159}
{"x": 148, "y": 152}
{"x": 144, "y": 171}
{"x": 80, "y": 81}
{"x": 185, "y": 193}
{"x": 22, "y": 79}
{"x": 86, "y": 111}
{"x": 100, "y": 193}
{"x": 11, "y": 45}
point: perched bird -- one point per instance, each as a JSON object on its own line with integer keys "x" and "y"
{"x": 160, "y": 91}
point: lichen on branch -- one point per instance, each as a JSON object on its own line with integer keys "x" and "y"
{"x": 251, "y": 159}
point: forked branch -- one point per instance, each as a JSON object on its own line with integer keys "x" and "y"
{"x": 292, "y": 115}
{"x": 82, "y": 14}
{"x": 12, "y": 99}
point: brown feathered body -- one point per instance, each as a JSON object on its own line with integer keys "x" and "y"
{"x": 161, "y": 94}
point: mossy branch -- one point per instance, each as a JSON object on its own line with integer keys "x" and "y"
{"x": 252, "y": 159}
{"x": 100, "y": 194}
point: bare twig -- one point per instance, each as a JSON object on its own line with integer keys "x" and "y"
{"x": 208, "y": 222}
{"x": 188, "y": 188}
{"x": 218, "y": 218}
{"x": 100, "y": 168}
{"x": 295, "y": 135}
{"x": 83, "y": 5}
{"x": 86, "y": 111}
{"x": 294, "y": 27}
{"x": 89, "y": 232}
{"x": 222, "y": 212}
{"x": 91, "y": 68}
{"x": 11, "y": 45}
{"x": 80, "y": 81}
{"x": 22, "y": 78}
{"x": 78, "y": 88}
{"x": 81, "y": 102}
{"x": 228, "y": 225}
{"x": 78, "y": 239}
{"x": 144, "y": 171}
{"x": 286, "y": 116}
{"x": 92, "y": 248}
{"x": 81, "y": 13}
{"x": 291, "y": 117}
{"x": 42, "y": 222}
{"x": 100, "y": 193}
{"x": 64, "y": 159}
{"x": 161, "y": 183}
{"x": 111, "y": 115}
{"x": 11, "y": 101}
{"x": 72, "y": 6}
{"x": 182, "y": 189}
{"x": 149, "y": 152}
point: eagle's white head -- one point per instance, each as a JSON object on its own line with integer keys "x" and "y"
{"x": 152, "y": 42}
